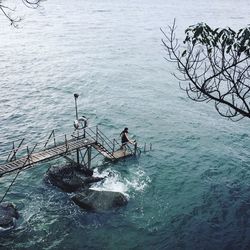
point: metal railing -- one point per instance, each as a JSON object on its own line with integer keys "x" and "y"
{"x": 54, "y": 140}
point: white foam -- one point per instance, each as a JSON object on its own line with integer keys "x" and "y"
{"x": 136, "y": 181}
{"x": 139, "y": 181}
{"x": 112, "y": 182}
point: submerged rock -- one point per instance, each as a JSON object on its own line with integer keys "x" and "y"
{"x": 8, "y": 216}
{"x": 69, "y": 178}
{"x": 93, "y": 200}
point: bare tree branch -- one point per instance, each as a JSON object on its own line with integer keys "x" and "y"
{"x": 9, "y": 13}
{"x": 214, "y": 66}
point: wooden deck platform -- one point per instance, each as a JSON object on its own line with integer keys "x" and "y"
{"x": 116, "y": 155}
{"x": 46, "y": 154}
{"x": 120, "y": 153}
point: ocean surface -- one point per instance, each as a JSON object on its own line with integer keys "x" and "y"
{"x": 192, "y": 191}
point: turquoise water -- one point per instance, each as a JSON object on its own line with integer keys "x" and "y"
{"x": 191, "y": 192}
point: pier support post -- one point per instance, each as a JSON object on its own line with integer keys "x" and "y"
{"x": 77, "y": 157}
{"x": 89, "y": 156}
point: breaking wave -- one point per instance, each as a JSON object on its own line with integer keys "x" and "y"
{"x": 127, "y": 184}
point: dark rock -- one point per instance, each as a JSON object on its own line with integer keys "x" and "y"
{"x": 93, "y": 200}
{"x": 8, "y": 216}
{"x": 70, "y": 178}
{"x": 93, "y": 179}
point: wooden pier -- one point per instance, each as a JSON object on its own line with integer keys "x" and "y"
{"x": 85, "y": 138}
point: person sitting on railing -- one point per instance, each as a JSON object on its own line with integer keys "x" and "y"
{"x": 124, "y": 138}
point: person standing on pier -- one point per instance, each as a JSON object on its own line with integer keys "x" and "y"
{"x": 125, "y": 139}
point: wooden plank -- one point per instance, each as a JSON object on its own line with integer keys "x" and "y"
{"x": 122, "y": 153}
{"x": 41, "y": 154}
{"x": 50, "y": 153}
{"x": 11, "y": 166}
{"x": 36, "y": 157}
{"x": 18, "y": 164}
{"x": 45, "y": 156}
{"x": 37, "y": 154}
{"x": 39, "y": 159}
{"x": 55, "y": 150}
{"x": 73, "y": 142}
{"x": 7, "y": 165}
{"x": 22, "y": 160}
{"x": 13, "y": 163}
{"x": 5, "y": 168}
{"x": 47, "y": 153}
{"x": 10, "y": 169}
{"x": 1, "y": 170}
{"x": 73, "y": 146}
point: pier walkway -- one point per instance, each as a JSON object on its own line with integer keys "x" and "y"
{"x": 88, "y": 138}
{"x": 57, "y": 151}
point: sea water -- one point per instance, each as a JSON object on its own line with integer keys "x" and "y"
{"x": 191, "y": 191}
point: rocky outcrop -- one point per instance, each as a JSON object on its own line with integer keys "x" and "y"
{"x": 8, "y": 216}
{"x": 93, "y": 200}
{"x": 70, "y": 178}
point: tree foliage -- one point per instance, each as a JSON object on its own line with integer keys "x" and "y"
{"x": 213, "y": 66}
{"x": 9, "y": 12}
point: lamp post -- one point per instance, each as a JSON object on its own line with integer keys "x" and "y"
{"x": 76, "y": 96}
{"x": 77, "y": 151}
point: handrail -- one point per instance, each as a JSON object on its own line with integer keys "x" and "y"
{"x": 52, "y": 133}
{"x": 58, "y": 139}
{"x": 117, "y": 143}
{"x": 129, "y": 148}
{"x": 27, "y": 159}
{"x": 98, "y": 135}
{"x": 105, "y": 142}
{"x": 92, "y": 132}
{"x": 14, "y": 150}
{"x": 22, "y": 147}
{"x": 104, "y": 136}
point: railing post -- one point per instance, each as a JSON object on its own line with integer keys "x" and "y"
{"x": 66, "y": 143}
{"x": 89, "y": 157}
{"x": 54, "y": 137}
{"x": 113, "y": 150}
{"x": 28, "y": 152}
{"x": 144, "y": 147}
{"x": 96, "y": 133}
{"x": 150, "y": 146}
{"x": 11, "y": 152}
{"x": 14, "y": 155}
{"x": 135, "y": 149}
